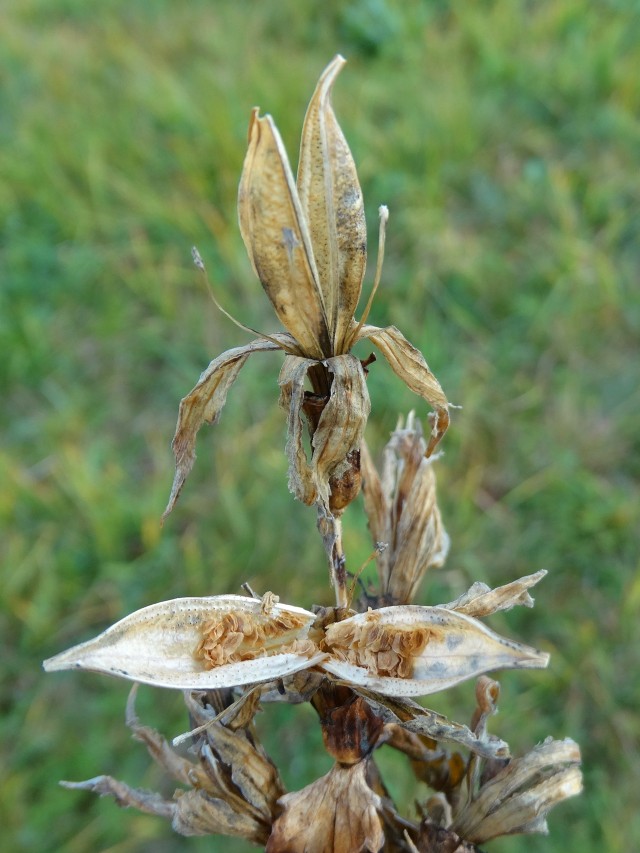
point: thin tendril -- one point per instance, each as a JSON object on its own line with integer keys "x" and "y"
{"x": 383, "y": 212}
{"x": 197, "y": 260}
{"x": 380, "y": 547}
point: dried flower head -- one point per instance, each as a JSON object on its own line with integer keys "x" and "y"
{"x": 403, "y": 513}
{"x": 307, "y": 243}
{"x": 511, "y": 795}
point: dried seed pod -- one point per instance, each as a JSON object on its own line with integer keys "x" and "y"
{"x": 411, "y": 651}
{"x": 231, "y": 640}
{"x": 199, "y": 643}
{"x": 518, "y": 798}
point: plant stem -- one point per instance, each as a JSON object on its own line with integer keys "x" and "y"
{"x": 330, "y": 528}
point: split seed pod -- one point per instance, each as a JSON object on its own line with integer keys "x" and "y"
{"x": 231, "y": 640}
{"x": 306, "y": 240}
{"x": 413, "y": 651}
{"x": 199, "y": 643}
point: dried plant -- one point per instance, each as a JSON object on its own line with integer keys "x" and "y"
{"x": 359, "y": 668}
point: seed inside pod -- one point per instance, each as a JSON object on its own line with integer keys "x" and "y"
{"x": 385, "y": 650}
{"x": 238, "y": 636}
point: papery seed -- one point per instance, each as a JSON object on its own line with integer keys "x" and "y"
{"x": 234, "y": 637}
{"x": 387, "y": 650}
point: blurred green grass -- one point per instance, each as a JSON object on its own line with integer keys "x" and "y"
{"x": 504, "y": 137}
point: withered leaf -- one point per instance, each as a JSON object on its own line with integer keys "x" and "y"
{"x": 293, "y": 374}
{"x": 204, "y": 403}
{"x": 342, "y": 422}
{"x": 332, "y": 203}
{"x": 277, "y": 238}
{"x": 440, "y": 770}
{"x": 245, "y": 766}
{"x": 197, "y": 813}
{"x": 409, "y": 364}
{"x": 338, "y": 813}
{"x": 192, "y": 812}
{"x": 234, "y": 787}
{"x": 481, "y": 600}
{"x": 175, "y": 765}
{"x": 125, "y": 796}
{"x": 376, "y": 504}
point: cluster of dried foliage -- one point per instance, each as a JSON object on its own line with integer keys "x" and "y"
{"x": 359, "y": 666}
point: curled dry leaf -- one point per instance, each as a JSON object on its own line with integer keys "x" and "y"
{"x": 126, "y": 796}
{"x": 481, "y": 600}
{"x": 409, "y": 364}
{"x": 487, "y": 695}
{"x": 174, "y": 764}
{"x": 425, "y": 722}
{"x": 233, "y": 788}
{"x": 204, "y": 403}
{"x": 307, "y": 245}
{"x": 439, "y": 769}
{"x": 232, "y": 756}
{"x": 346, "y": 816}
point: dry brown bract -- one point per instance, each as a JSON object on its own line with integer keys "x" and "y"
{"x": 346, "y": 816}
{"x": 307, "y": 244}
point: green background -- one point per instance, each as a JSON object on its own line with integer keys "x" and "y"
{"x": 504, "y": 138}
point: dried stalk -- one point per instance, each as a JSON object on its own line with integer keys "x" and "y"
{"x": 307, "y": 242}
